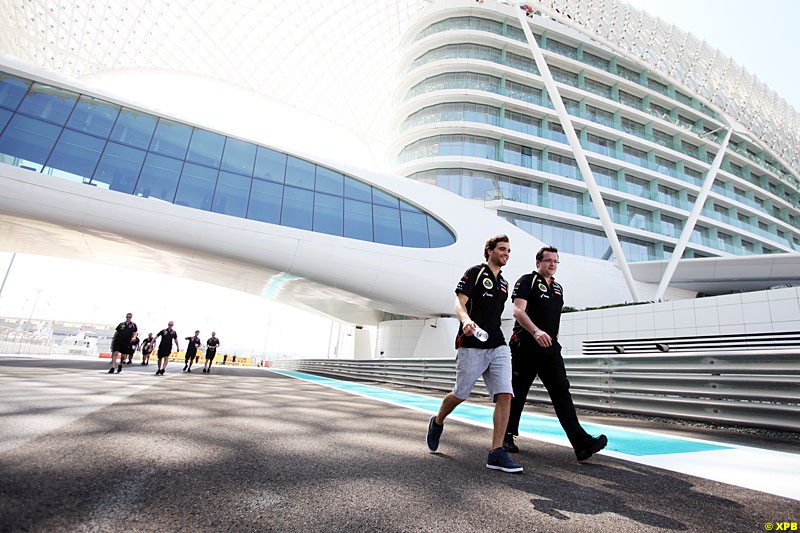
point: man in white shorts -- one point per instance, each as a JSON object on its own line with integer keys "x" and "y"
{"x": 480, "y": 296}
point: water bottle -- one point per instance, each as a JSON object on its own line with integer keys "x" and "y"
{"x": 480, "y": 334}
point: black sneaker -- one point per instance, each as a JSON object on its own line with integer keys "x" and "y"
{"x": 184, "y": 368}
{"x": 141, "y": 363}
{"x": 508, "y": 444}
{"x": 499, "y": 460}
{"x": 434, "y": 432}
{"x": 188, "y": 369}
{"x": 111, "y": 370}
{"x": 119, "y": 369}
{"x": 594, "y": 446}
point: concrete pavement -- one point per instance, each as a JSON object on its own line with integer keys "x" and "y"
{"x": 244, "y": 449}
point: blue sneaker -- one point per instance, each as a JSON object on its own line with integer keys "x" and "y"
{"x": 434, "y": 432}
{"x": 499, "y": 460}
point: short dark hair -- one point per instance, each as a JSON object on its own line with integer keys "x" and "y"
{"x": 492, "y": 243}
{"x": 540, "y": 253}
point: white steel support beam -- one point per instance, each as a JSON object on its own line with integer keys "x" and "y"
{"x": 677, "y": 254}
{"x": 580, "y": 156}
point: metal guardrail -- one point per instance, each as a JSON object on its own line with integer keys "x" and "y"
{"x": 751, "y": 388}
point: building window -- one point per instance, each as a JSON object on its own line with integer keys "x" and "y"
{"x": 600, "y": 145}
{"x": 664, "y": 139}
{"x": 632, "y": 127}
{"x": 596, "y": 61}
{"x": 598, "y": 88}
{"x": 631, "y": 100}
{"x": 87, "y": 140}
{"x": 634, "y": 155}
{"x": 628, "y": 74}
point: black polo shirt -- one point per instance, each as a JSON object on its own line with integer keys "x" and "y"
{"x": 487, "y": 297}
{"x": 211, "y": 346}
{"x": 122, "y": 338}
{"x": 544, "y": 304}
{"x": 167, "y": 336}
{"x": 194, "y": 342}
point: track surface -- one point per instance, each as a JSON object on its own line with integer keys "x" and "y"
{"x": 245, "y": 449}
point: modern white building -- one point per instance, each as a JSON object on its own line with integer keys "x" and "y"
{"x": 352, "y": 159}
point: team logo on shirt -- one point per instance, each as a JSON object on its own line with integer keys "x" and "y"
{"x": 542, "y": 287}
{"x": 488, "y": 283}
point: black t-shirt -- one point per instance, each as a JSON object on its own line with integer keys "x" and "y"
{"x": 167, "y": 336}
{"x": 487, "y": 297}
{"x": 125, "y": 331}
{"x": 211, "y": 345}
{"x": 544, "y": 304}
{"x": 147, "y": 345}
{"x": 194, "y": 343}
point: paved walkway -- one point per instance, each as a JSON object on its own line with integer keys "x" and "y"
{"x": 246, "y": 449}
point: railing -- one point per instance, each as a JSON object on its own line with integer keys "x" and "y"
{"x": 744, "y": 387}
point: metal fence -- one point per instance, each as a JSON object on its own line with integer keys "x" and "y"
{"x": 751, "y": 388}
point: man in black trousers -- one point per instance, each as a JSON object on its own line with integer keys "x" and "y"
{"x": 535, "y": 350}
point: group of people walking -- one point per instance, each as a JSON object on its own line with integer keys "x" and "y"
{"x": 126, "y": 341}
{"x": 509, "y": 370}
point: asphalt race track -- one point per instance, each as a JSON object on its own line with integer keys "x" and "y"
{"x": 246, "y": 449}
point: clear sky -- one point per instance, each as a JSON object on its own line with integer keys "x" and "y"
{"x": 761, "y": 36}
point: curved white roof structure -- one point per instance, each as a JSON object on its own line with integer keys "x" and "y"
{"x": 337, "y": 59}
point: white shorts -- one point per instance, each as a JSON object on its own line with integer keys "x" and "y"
{"x": 493, "y": 364}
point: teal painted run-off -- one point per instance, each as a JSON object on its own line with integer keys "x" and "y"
{"x": 620, "y": 440}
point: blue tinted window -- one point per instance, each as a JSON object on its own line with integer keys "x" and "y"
{"x": 265, "y": 202}
{"x": 328, "y": 214}
{"x": 387, "y": 225}
{"x": 358, "y": 220}
{"x": 134, "y": 128}
{"x": 159, "y": 178}
{"x": 93, "y": 116}
{"x": 329, "y": 182}
{"x": 206, "y": 148}
{"x": 76, "y": 153}
{"x": 49, "y": 103}
{"x": 439, "y": 235}
{"x": 357, "y": 190}
{"x": 12, "y": 90}
{"x": 239, "y": 157}
{"x": 298, "y": 205}
{"x": 381, "y": 198}
{"x": 28, "y": 138}
{"x": 119, "y": 168}
{"x": 196, "y": 188}
{"x": 171, "y": 138}
{"x": 415, "y": 229}
{"x": 408, "y": 207}
{"x": 300, "y": 173}
{"x": 270, "y": 165}
{"x": 231, "y": 195}
{"x": 5, "y": 114}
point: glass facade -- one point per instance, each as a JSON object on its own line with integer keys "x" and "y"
{"x": 80, "y": 138}
{"x": 651, "y": 169}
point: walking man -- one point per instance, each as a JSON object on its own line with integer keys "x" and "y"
{"x": 211, "y": 351}
{"x": 134, "y": 347}
{"x": 147, "y": 348}
{"x": 535, "y": 350}
{"x": 121, "y": 342}
{"x": 165, "y": 347}
{"x": 191, "y": 351}
{"x": 480, "y": 296}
